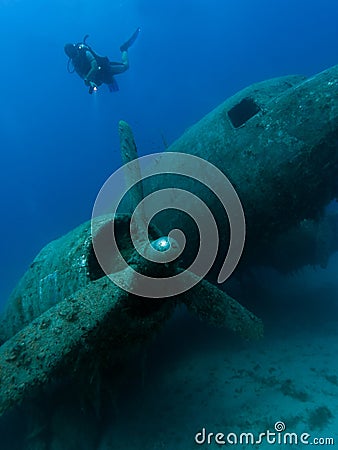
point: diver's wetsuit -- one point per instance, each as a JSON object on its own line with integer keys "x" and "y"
{"x": 95, "y": 69}
{"x": 103, "y": 69}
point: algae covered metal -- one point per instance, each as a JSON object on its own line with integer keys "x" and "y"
{"x": 66, "y": 313}
{"x": 276, "y": 141}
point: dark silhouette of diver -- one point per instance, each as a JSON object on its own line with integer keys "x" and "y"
{"x": 95, "y": 69}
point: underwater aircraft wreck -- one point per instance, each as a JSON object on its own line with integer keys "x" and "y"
{"x": 276, "y": 141}
{"x": 66, "y": 314}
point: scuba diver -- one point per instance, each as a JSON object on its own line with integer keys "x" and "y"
{"x": 95, "y": 69}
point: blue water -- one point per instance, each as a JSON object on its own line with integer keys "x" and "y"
{"x": 59, "y": 144}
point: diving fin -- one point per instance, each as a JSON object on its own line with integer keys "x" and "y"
{"x": 113, "y": 86}
{"x": 124, "y": 47}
